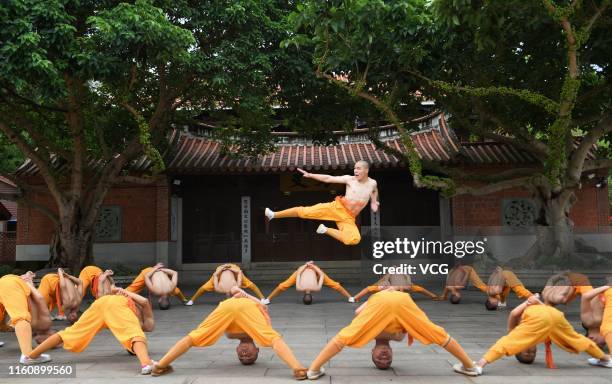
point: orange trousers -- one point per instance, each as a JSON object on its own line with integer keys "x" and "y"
{"x": 347, "y": 231}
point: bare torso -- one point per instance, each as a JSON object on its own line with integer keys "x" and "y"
{"x": 358, "y": 194}
{"x": 309, "y": 280}
{"x": 161, "y": 283}
{"x": 591, "y": 312}
{"x": 457, "y": 277}
{"x": 227, "y": 280}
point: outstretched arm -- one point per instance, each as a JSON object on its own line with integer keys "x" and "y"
{"x": 594, "y": 292}
{"x": 325, "y": 178}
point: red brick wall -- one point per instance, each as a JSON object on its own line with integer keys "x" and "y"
{"x": 589, "y": 213}
{"x": 145, "y": 215}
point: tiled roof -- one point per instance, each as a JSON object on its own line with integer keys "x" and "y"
{"x": 5, "y": 214}
{"x": 190, "y": 153}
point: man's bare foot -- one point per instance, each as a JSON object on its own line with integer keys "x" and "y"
{"x": 300, "y": 374}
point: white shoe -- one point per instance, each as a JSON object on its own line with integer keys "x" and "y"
{"x": 315, "y": 375}
{"x": 600, "y": 363}
{"x": 269, "y": 213}
{"x": 43, "y": 358}
{"x": 265, "y": 301}
{"x": 502, "y": 305}
{"x": 189, "y": 303}
{"x": 351, "y": 299}
{"x": 1, "y": 343}
{"x": 146, "y": 370}
{"x": 321, "y": 229}
{"x": 474, "y": 371}
{"x": 58, "y": 317}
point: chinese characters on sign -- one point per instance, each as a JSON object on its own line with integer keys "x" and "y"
{"x": 245, "y": 213}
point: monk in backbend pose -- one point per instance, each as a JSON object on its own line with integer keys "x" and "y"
{"x": 457, "y": 279}
{"x": 242, "y": 317}
{"x": 308, "y": 278}
{"x": 359, "y": 190}
{"x": 100, "y": 283}
{"x": 223, "y": 279}
{"x": 596, "y": 316}
{"x": 392, "y": 312}
{"x": 535, "y": 322}
{"x": 126, "y": 314}
{"x": 63, "y": 291}
{"x": 564, "y": 287}
{"x": 500, "y": 283}
{"x": 159, "y": 281}
{"x": 28, "y": 312}
{"x": 399, "y": 282}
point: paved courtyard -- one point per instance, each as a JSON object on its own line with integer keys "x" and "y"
{"x": 306, "y": 329}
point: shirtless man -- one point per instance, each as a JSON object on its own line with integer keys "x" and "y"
{"x": 63, "y": 291}
{"x": 535, "y": 322}
{"x": 308, "y": 278}
{"x": 500, "y": 283}
{"x": 457, "y": 279}
{"x": 28, "y": 312}
{"x": 100, "y": 283}
{"x": 225, "y": 277}
{"x": 126, "y": 314}
{"x": 596, "y": 315}
{"x": 241, "y": 316}
{"x": 396, "y": 314}
{"x": 159, "y": 281}
{"x": 564, "y": 287}
{"x": 399, "y": 282}
{"x": 344, "y": 209}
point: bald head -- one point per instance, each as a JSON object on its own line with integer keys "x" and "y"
{"x": 382, "y": 355}
{"x": 361, "y": 169}
{"x": 247, "y": 352}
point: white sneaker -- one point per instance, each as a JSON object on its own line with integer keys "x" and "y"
{"x": 502, "y": 305}
{"x": 351, "y": 299}
{"x": 43, "y": 358}
{"x": 600, "y": 363}
{"x": 321, "y": 229}
{"x": 474, "y": 371}
{"x": 58, "y": 317}
{"x": 189, "y": 303}
{"x": 146, "y": 370}
{"x": 1, "y": 343}
{"x": 269, "y": 213}
{"x": 315, "y": 375}
{"x": 265, "y": 301}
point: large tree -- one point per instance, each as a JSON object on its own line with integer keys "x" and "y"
{"x": 533, "y": 74}
{"x": 88, "y": 87}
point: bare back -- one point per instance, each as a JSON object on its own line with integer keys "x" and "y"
{"x": 308, "y": 280}
{"x": 457, "y": 277}
{"x": 160, "y": 284}
{"x": 496, "y": 282}
{"x": 227, "y": 280}
{"x": 591, "y": 312}
{"x": 71, "y": 297}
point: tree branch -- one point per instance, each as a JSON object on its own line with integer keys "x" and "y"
{"x": 591, "y": 165}
{"x": 43, "y": 167}
{"x": 577, "y": 160}
{"x": 502, "y": 185}
{"x": 19, "y": 198}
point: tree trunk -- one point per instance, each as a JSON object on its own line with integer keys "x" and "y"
{"x": 71, "y": 246}
{"x": 554, "y": 245}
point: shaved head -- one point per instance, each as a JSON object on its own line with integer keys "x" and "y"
{"x": 382, "y": 355}
{"x": 363, "y": 163}
{"x": 247, "y": 352}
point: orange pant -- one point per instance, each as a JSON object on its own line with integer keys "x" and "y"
{"x": 234, "y": 316}
{"x": 110, "y": 311}
{"x": 49, "y": 288}
{"x": 475, "y": 279}
{"x": 14, "y": 294}
{"x": 347, "y": 231}
{"x": 87, "y": 276}
{"x": 513, "y": 283}
{"x": 538, "y": 324}
{"x": 139, "y": 284}
{"x": 383, "y": 312}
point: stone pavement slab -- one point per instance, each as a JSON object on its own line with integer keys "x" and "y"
{"x": 306, "y": 329}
